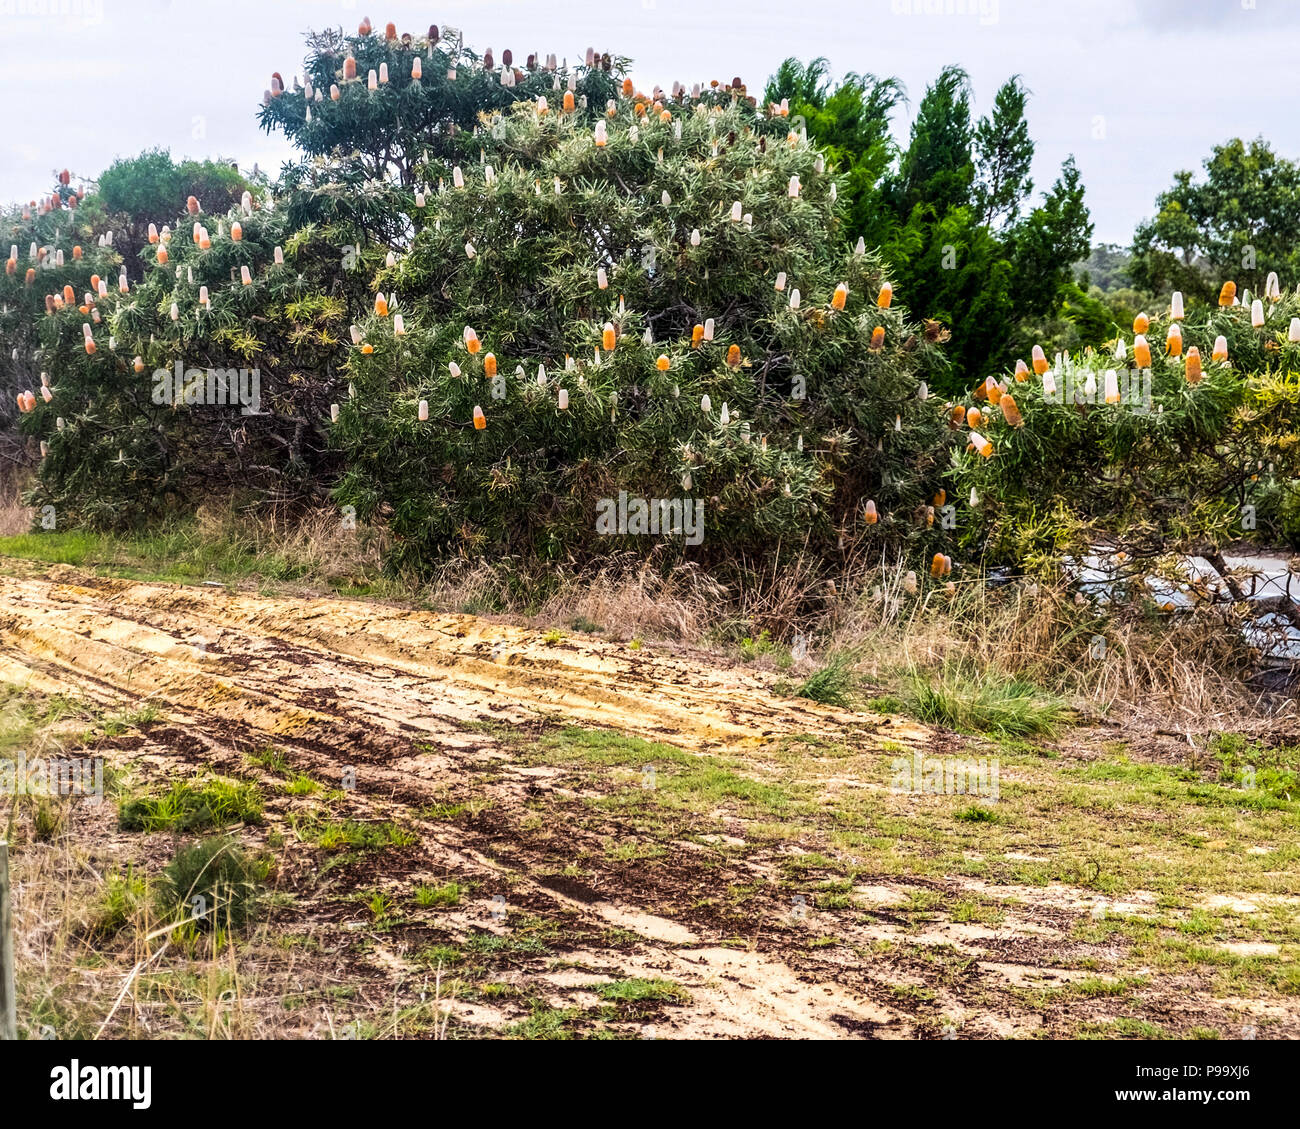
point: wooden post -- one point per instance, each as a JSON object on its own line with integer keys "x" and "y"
{"x": 8, "y": 996}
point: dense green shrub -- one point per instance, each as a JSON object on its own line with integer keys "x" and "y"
{"x": 136, "y": 191}
{"x": 362, "y": 153}
{"x": 59, "y": 234}
{"x": 129, "y": 449}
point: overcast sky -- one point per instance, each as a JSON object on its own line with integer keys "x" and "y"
{"x": 1136, "y": 89}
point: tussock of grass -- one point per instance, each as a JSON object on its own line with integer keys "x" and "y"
{"x": 833, "y": 684}
{"x": 351, "y": 834}
{"x": 192, "y": 806}
{"x": 447, "y": 895}
{"x": 212, "y": 884}
{"x": 124, "y": 895}
{"x": 302, "y": 785}
{"x": 977, "y": 813}
{"x": 983, "y": 703}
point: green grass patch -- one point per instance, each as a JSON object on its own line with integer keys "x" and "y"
{"x": 637, "y": 991}
{"x": 978, "y": 813}
{"x": 835, "y": 683}
{"x": 350, "y": 834}
{"x": 74, "y": 547}
{"x": 193, "y": 806}
{"x": 983, "y": 703}
{"x": 445, "y": 896}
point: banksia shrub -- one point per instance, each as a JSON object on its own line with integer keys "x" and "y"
{"x": 134, "y": 445}
{"x": 1176, "y": 454}
{"x": 361, "y": 147}
{"x": 691, "y": 375}
{"x": 46, "y": 278}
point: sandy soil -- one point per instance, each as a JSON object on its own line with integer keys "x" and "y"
{"x": 415, "y": 704}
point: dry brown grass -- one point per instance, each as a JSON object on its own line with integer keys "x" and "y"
{"x": 317, "y": 542}
{"x": 624, "y": 598}
{"x": 1173, "y": 672}
{"x": 15, "y": 518}
{"x": 640, "y": 603}
{"x": 143, "y": 980}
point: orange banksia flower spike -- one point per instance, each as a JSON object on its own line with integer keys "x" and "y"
{"x": 1141, "y": 352}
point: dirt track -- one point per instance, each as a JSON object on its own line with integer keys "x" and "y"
{"x": 285, "y": 666}
{"x": 427, "y": 707}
